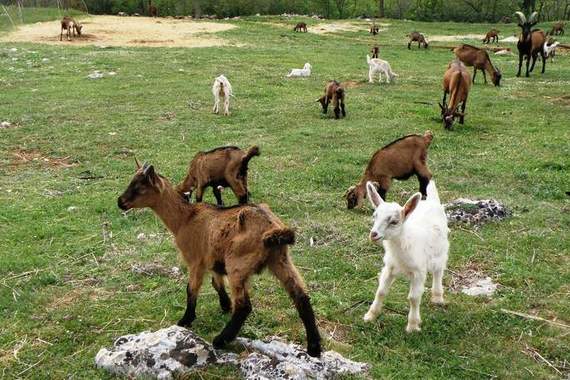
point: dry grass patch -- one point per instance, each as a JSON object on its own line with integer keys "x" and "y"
{"x": 22, "y": 157}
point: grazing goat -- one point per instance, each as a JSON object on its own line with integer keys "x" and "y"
{"x": 234, "y": 242}
{"x": 71, "y": 26}
{"x": 304, "y": 72}
{"x": 557, "y": 28}
{"x": 456, "y": 82}
{"x": 550, "y": 49}
{"x": 224, "y": 166}
{"x": 379, "y": 66}
{"x": 222, "y": 88}
{"x": 479, "y": 59}
{"x": 300, "y": 27}
{"x": 374, "y": 29}
{"x": 530, "y": 43}
{"x": 152, "y": 10}
{"x": 415, "y": 239}
{"x": 333, "y": 92}
{"x": 491, "y": 36}
{"x": 375, "y": 51}
{"x": 400, "y": 159}
{"x": 419, "y": 38}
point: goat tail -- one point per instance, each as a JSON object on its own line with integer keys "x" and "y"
{"x": 279, "y": 237}
{"x": 251, "y": 152}
{"x": 432, "y": 194}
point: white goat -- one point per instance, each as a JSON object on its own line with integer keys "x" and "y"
{"x": 304, "y": 72}
{"x": 550, "y": 50}
{"x": 415, "y": 242}
{"x": 222, "y": 89}
{"x": 379, "y": 66}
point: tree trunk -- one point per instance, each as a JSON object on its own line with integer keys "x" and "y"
{"x": 381, "y": 8}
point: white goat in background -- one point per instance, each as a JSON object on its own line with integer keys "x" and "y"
{"x": 222, "y": 89}
{"x": 304, "y": 72}
{"x": 415, "y": 242}
{"x": 379, "y": 66}
{"x": 550, "y": 50}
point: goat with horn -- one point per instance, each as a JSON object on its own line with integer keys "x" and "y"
{"x": 530, "y": 42}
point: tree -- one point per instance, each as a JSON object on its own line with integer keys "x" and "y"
{"x": 381, "y": 8}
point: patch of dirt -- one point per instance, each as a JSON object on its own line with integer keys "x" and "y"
{"x": 352, "y": 83}
{"x": 336, "y": 330}
{"x": 78, "y": 295}
{"x": 315, "y": 234}
{"x": 125, "y": 31}
{"x": 337, "y": 27}
{"x": 25, "y": 157}
{"x": 472, "y": 281}
{"x": 456, "y": 37}
{"x": 564, "y": 100}
{"x": 156, "y": 269}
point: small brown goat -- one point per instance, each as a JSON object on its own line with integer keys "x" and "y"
{"x": 71, "y": 26}
{"x": 374, "y": 29}
{"x": 557, "y": 28}
{"x": 333, "y": 92}
{"x": 375, "y": 51}
{"x": 400, "y": 159}
{"x": 300, "y": 27}
{"x": 224, "y": 166}
{"x": 419, "y": 38}
{"x": 479, "y": 59}
{"x": 234, "y": 242}
{"x": 491, "y": 36}
{"x": 456, "y": 82}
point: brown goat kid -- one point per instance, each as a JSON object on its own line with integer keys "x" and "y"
{"x": 557, "y": 28}
{"x": 419, "y": 38}
{"x": 235, "y": 242}
{"x": 71, "y": 26}
{"x": 491, "y": 36}
{"x": 400, "y": 159}
{"x": 479, "y": 59}
{"x": 375, "y": 51}
{"x": 300, "y": 27}
{"x": 374, "y": 29}
{"x": 456, "y": 82}
{"x": 224, "y": 166}
{"x": 333, "y": 92}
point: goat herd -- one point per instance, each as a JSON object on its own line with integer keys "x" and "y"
{"x": 236, "y": 242}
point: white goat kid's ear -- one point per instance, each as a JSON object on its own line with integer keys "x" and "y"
{"x": 411, "y": 205}
{"x": 373, "y": 196}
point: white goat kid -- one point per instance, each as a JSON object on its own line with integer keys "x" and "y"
{"x": 550, "y": 50}
{"x": 415, "y": 242}
{"x": 222, "y": 89}
{"x": 379, "y": 66}
{"x": 304, "y": 72}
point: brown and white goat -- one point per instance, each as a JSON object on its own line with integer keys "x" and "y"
{"x": 530, "y": 43}
{"x": 234, "y": 242}
{"x": 419, "y": 38}
{"x": 300, "y": 27}
{"x": 71, "y": 26}
{"x": 479, "y": 59}
{"x": 491, "y": 36}
{"x": 456, "y": 82}
{"x": 375, "y": 51}
{"x": 557, "y": 28}
{"x": 333, "y": 92}
{"x": 374, "y": 29}
{"x": 224, "y": 166}
{"x": 400, "y": 159}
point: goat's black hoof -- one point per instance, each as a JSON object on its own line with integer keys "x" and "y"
{"x": 314, "y": 350}
{"x": 219, "y": 342}
{"x": 185, "y": 322}
{"x": 226, "y": 306}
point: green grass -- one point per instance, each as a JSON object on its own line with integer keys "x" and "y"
{"x": 67, "y": 291}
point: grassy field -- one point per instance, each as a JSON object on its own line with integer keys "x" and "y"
{"x": 66, "y": 284}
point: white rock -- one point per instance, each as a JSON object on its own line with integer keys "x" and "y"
{"x": 72, "y": 208}
{"x": 481, "y": 287}
{"x": 95, "y": 75}
{"x": 111, "y": 73}
{"x": 510, "y": 39}
{"x": 5, "y": 124}
{"x": 45, "y": 59}
{"x": 503, "y": 52}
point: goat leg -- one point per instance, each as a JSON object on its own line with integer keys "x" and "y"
{"x": 484, "y": 76}
{"x": 474, "y": 74}
{"x": 462, "y": 116}
{"x": 218, "y": 284}
{"x": 414, "y": 298}
{"x": 520, "y": 64}
{"x": 342, "y": 108}
{"x": 242, "y": 309}
{"x": 218, "y": 195}
{"x": 543, "y": 56}
{"x": 192, "y": 289}
{"x": 534, "y": 57}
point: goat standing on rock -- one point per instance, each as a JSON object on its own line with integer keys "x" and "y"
{"x": 530, "y": 43}
{"x": 234, "y": 242}
{"x": 415, "y": 239}
{"x": 456, "y": 82}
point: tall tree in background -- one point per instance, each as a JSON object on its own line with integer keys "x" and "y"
{"x": 381, "y": 8}
{"x": 528, "y": 5}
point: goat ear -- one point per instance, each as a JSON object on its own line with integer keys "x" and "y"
{"x": 373, "y": 196}
{"x": 350, "y": 189}
{"x": 411, "y": 205}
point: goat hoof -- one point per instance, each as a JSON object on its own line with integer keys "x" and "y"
{"x": 413, "y": 327}
{"x": 369, "y": 317}
{"x": 219, "y": 342}
{"x": 185, "y": 322}
{"x": 314, "y": 350}
{"x": 437, "y": 300}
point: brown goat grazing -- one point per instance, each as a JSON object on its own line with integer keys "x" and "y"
{"x": 375, "y": 51}
{"x": 224, "y": 166}
{"x": 71, "y": 26}
{"x": 479, "y": 59}
{"x": 300, "y": 27}
{"x": 491, "y": 36}
{"x": 456, "y": 82}
{"x": 234, "y": 242}
{"x": 333, "y": 92}
{"x": 374, "y": 29}
{"x": 419, "y": 38}
{"x": 557, "y": 28}
{"x": 530, "y": 43}
{"x": 400, "y": 159}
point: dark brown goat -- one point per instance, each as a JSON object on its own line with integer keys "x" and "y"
{"x": 479, "y": 59}
{"x": 71, "y": 26}
{"x": 557, "y": 28}
{"x": 234, "y": 242}
{"x": 491, "y": 36}
{"x": 374, "y": 29}
{"x": 224, "y": 166}
{"x": 530, "y": 43}
{"x": 300, "y": 27}
{"x": 456, "y": 82}
{"x": 419, "y": 38}
{"x": 375, "y": 51}
{"x": 400, "y": 159}
{"x": 333, "y": 92}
